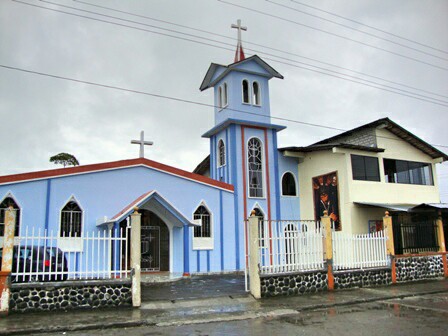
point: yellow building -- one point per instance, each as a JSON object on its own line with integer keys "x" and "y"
{"x": 361, "y": 173}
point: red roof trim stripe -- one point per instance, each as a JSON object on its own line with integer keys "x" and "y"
{"x": 132, "y": 204}
{"x": 113, "y": 165}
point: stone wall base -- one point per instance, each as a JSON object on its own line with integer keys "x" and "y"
{"x": 294, "y": 284}
{"x": 419, "y": 268}
{"x": 70, "y": 295}
{"x": 362, "y": 278}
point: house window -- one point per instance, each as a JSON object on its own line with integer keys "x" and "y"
{"x": 246, "y": 97}
{"x": 203, "y": 231}
{"x": 6, "y": 203}
{"x": 224, "y": 95}
{"x": 289, "y": 185}
{"x": 221, "y": 153}
{"x": 365, "y": 168}
{"x": 256, "y": 93}
{"x": 255, "y": 164}
{"x": 409, "y": 172}
{"x": 71, "y": 220}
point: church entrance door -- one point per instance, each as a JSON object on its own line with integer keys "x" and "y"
{"x": 155, "y": 243}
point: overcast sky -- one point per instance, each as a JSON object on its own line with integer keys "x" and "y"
{"x": 42, "y": 116}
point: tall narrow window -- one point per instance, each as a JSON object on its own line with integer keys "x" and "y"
{"x": 205, "y": 229}
{"x": 288, "y": 185}
{"x": 220, "y": 97}
{"x": 255, "y": 165}
{"x": 256, "y": 93}
{"x": 71, "y": 220}
{"x": 221, "y": 153}
{"x": 7, "y": 202}
{"x": 224, "y": 95}
{"x": 246, "y": 97}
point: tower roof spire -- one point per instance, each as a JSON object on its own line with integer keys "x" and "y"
{"x": 239, "y": 54}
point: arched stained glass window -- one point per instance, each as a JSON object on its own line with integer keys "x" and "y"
{"x": 221, "y": 153}
{"x": 4, "y": 205}
{"x": 203, "y": 231}
{"x": 71, "y": 220}
{"x": 289, "y": 185}
{"x": 255, "y": 167}
{"x": 256, "y": 99}
{"x": 246, "y": 96}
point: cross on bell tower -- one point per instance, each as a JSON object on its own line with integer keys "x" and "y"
{"x": 142, "y": 143}
{"x": 239, "y": 54}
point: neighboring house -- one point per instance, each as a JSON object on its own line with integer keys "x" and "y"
{"x": 365, "y": 171}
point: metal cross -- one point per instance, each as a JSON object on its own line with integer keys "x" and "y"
{"x": 142, "y": 143}
{"x": 240, "y": 28}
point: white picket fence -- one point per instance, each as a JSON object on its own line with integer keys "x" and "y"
{"x": 290, "y": 246}
{"x": 297, "y": 246}
{"x": 359, "y": 251}
{"x": 40, "y": 255}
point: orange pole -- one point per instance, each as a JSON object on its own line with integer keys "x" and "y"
{"x": 445, "y": 265}
{"x": 394, "y": 271}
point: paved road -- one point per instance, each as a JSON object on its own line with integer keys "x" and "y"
{"x": 419, "y": 316}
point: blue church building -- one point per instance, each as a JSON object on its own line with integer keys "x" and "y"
{"x": 198, "y": 217}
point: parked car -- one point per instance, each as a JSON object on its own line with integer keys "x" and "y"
{"x": 37, "y": 263}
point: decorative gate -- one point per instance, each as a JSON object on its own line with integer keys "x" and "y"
{"x": 150, "y": 239}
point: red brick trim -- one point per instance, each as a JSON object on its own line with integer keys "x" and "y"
{"x": 53, "y": 173}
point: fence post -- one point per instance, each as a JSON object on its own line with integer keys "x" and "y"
{"x": 6, "y": 266}
{"x": 387, "y": 224}
{"x": 326, "y": 223}
{"x": 135, "y": 257}
{"x": 254, "y": 247}
{"x": 442, "y": 242}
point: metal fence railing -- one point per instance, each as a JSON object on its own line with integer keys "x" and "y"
{"x": 359, "y": 251}
{"x": 39, "y": 255}
{"x": 415, "y": 237}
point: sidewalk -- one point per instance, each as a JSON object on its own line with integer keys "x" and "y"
{"x": 163, "y": 312}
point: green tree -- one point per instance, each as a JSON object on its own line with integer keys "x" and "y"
{"x": 64, "y": 159}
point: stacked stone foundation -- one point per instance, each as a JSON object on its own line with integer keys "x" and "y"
{"x": 69, "y": 295}
{"x": 415, "y": 268}
{"x": 294, "y": 284}
{"x": 362, "y": 278}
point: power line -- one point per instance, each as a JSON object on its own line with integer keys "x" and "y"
{"x": 368, "y": 26}
{"x": 319, "y": 69}
{"x": 355, "y": 29}
{"x": 258, "y": 45}
{"x": 333, "y": 34}
{"x": 178, "y": 99}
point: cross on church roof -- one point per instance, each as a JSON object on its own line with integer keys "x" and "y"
{"x": 239, "y": 54}
{"x": 142, "y": 143}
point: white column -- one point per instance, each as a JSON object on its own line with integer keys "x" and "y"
{"x": 135, "y": 257}
{"x": 254, "y": 248}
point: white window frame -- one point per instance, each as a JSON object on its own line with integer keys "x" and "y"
{"x": 203, "y": 243}
{"x": 295, "y": 181}
{"x": 71, "y": 244}
{"x": 249, "y": 91}
{"x": 225, "y": 96}
{"x": 221, "y": 163}
{"x": 263, "y": 168}
{"x": 16, "y": 234}
{"x": 220, "y": 97}
{"x": 254, "y": 99}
